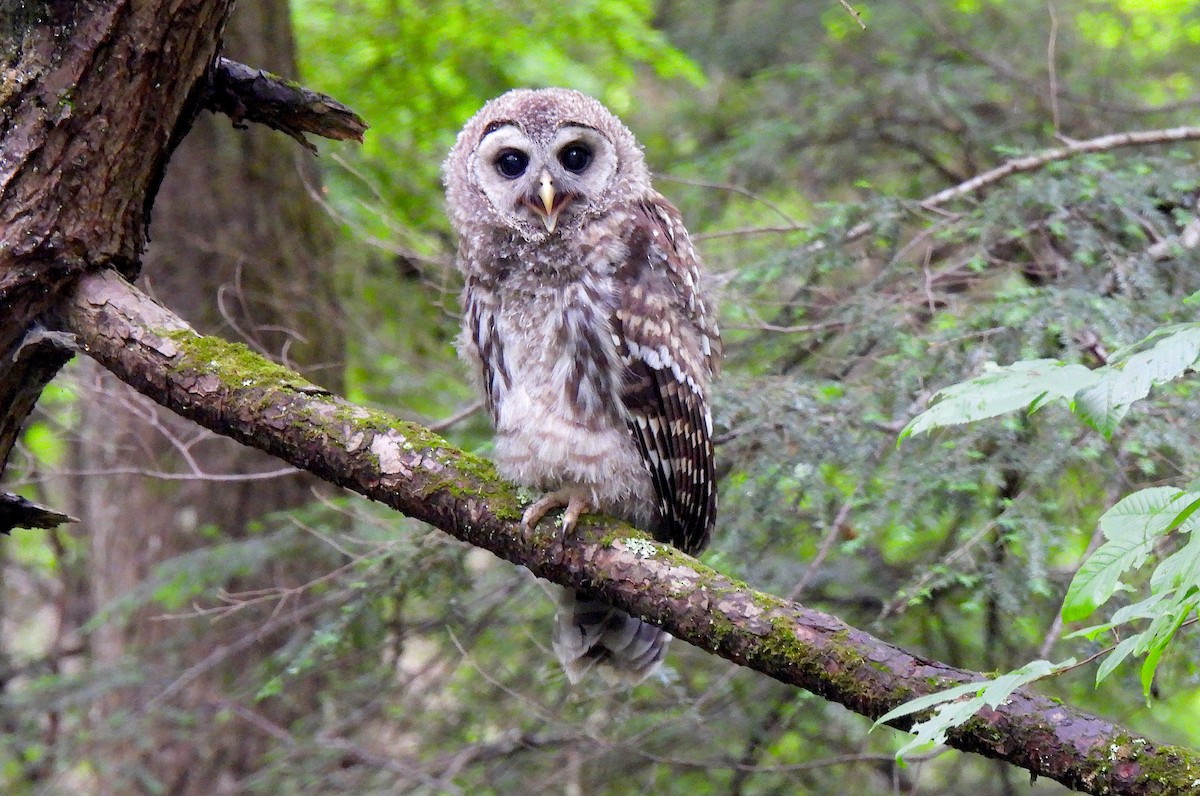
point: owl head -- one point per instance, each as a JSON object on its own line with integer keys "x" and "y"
{"x": 541, "y": 163}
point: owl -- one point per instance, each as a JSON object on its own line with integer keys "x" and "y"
{"x": 588, "y": 325}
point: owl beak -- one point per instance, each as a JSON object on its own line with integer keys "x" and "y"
{"x": 546, "y": 194}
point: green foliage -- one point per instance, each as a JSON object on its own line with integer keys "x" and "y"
{"x": 1133, "y": 528}
{"x": 1100, "y": 397}
{"x": 1022, "y": 385}
{"x": 1144, "y": 31}
{"x": 178, "y": 582}
{"x": 417, "y": 71}
{"x": 30, "y": 548}
{"x": 951, "y": 709}
{"x": 44, "y": 444}
{"x": 1132, "y": 372}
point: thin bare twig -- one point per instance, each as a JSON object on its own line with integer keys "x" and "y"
{"x": 725, "y": 186}
{"x": 164, "y": 475}
{"x": 457, "y": 417}
{"x": 1056, "y": 626}
{"x": 1052, "y": 68}
{"x": 857, "y": 16}
{"x": 831, "y": 535}
{"x": 1027, "y": 163}
{"x": 223, "y": 652}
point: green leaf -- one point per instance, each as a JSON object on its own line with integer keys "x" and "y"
{"x": 1124, "y": 354}
{"x": 1030, "y": 383}
{"x": 270, "y": 688}
{"x": 1180, "y": 571}
{"x": 1103, "y": 404}
{"x": 951, "y": 710}
{"x": 1118, "y": 655}
{"x": 928, "y": 701}
{"x": 1144, "y": 517}
{"x": 1144, "y": 609}
{"x": 1158, "y": 637}
{"x": 1131, "y": 527}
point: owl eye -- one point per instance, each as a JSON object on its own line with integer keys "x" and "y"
{"x": 575, "y": 157}
{"x": 511, "y": 163}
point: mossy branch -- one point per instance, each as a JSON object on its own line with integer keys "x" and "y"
{"x": 234, "y": 392}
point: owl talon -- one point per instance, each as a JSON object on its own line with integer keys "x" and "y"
{"x": 577, "y": 506}
{"x": 533, "y": 515}
{"x": 576, "y": 503}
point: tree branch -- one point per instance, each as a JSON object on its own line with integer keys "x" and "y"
{"x": 1040, "y": 159}
{"x": 1007, "y": 169}
{"x": 232, "y": 391}
{"x": 17, "y": 512}
{"x": 246, "y": 94}
{"x": 23, "y": 374}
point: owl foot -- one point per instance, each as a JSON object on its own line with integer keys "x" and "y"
{"x": 577, "y": 501}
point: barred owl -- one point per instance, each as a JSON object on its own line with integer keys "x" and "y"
{"x": 586, "y": 321}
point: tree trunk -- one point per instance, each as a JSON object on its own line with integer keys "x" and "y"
{"x": 239, "y": 249}
{"x": 94, "y": 95}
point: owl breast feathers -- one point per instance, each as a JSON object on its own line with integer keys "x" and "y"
{"x": 586, "y": 321}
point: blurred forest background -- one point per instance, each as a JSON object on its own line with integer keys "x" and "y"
{"x": 219, "y": 624}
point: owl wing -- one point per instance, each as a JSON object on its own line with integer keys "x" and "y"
{"x": 481, "y": 345}
{"x": 669, "y": 348}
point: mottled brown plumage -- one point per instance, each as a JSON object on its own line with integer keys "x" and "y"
{"x": 587, "y": 323}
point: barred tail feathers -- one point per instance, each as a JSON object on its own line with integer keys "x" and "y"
{"x": 588, "y": 633}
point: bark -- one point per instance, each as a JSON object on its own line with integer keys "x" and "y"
{"x": 255, "y": 95}
{"x": 94, "y": 96}
{"x": 16, "y": 511}
{"x": 228, "y": 389}
{"x": 23, "y": 374}
{"x": 237, "y": 245}
{"x": 80, "y": 168}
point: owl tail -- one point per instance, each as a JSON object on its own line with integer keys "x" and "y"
{"x": 588, "y": 633}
